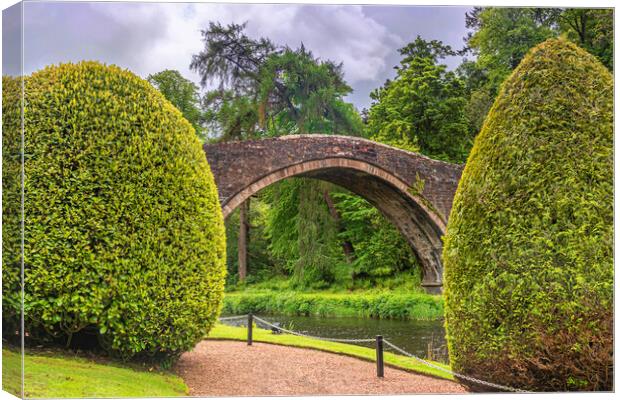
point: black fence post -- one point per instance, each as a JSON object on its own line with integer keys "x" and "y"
{"x": 379, "y": 347}
{"x": 250, "y": 323}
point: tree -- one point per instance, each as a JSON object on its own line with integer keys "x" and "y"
{"x": 304, "y": 94}
{"x": 499, "y": 40}
{"x": 434, "y": 50}
{"x": 269, "y": 90}
{"x": 234, "y": 60}
{"x": 380, "y": 249}
{"x": 231, "y": 57}
{"x": 423, "y": 108}
{"x": 183, "y": 93}
{"x": 592, "y": 29}
{"x": 264, "y": 89}
{"x": 478, "y": 92}
{"x": 229, "y": 116}
{"x": 317, "y": 237}
{"x": 502, "y": 37}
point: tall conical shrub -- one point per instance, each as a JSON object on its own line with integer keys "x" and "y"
{"x": 123, "y": 231}
{"x": 529, "y": 249}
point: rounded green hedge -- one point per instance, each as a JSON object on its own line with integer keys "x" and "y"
{"x": 11, "y": 206}
{"x": 529, "y": 248}
{"x": 124, "y": 233}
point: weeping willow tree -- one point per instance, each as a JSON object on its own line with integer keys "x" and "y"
{"x": 303, "y": 234}
{"x": 265, "y": 90}
{"x": 317, "y": 237}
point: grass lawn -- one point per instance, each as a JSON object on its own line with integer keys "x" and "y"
{"x": 54, "y": 374}
{"x": 221, "y": 331}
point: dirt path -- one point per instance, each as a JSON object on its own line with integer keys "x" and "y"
{"x": 229, "y": 368}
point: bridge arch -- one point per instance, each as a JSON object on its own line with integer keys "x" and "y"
{"x": 414, "y": 192}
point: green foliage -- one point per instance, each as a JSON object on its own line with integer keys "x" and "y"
{"x": 504, "y": 35}
{"x": 305, "y": 94}
{"x": 233, "y": 59}
{"x": 500, "y": 39}
{"x": 231, "y": 224}
{"x": 183, "y": 94}
{"x": 384, "y": 305}
{"x": 229, "y": 116}
{"x": 423, "y": 108}
{"x": 259, "y": 257}
{"x": 124, "y": 232}
{"x": 282, "y": 222}
{"x": 380, "y": 250}
{"x": 401, "y": 281}
{"x": 11, "y": 204}
{"x": 479, "y": 93}
{"x": 316, "y": 236}
{"x": 302, "y": 234}
{"x": 269, "y": 90}
{"x": 528, "y": 254}
{"x": 592, "y": 29}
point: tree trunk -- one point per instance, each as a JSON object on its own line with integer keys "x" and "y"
{"x": 347, "y": 246}
{"x": 584, "y": 26}
{"x": 242, "y": 243}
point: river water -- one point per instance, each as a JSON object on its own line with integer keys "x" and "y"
{"x": 422, "y": 338}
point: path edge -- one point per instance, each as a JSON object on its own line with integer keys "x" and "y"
{"x": 398, "y": 367}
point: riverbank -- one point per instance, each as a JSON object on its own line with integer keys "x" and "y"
{"x": 225, "y": 332}
{"x": 57, "y": 374}
{"x": 362, "y": 304}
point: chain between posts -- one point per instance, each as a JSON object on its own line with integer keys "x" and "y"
{"x": 383, "y": 341}
{"x": 232, "y": 317}
{"x": 468, "y": 378}
{"x": 310, "y": 336}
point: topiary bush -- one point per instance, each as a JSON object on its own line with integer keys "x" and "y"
{"x": 124, "y": 235}
{"x": 11, "y": 206}
{"x": 528, "y": 252}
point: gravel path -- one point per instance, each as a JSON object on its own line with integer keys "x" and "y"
{"x": 230, "y": 368}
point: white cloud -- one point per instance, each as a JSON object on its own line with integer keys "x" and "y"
{"x": 149, "y": 37}
{"x": 340, "y": 33}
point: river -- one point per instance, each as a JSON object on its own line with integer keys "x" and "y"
{"x": 417, "y": 337}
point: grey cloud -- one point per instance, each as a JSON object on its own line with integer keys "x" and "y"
{"x": 63, "y": 32}
{"x": 148, "y": 37}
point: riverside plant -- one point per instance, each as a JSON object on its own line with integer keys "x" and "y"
{"x": 382, "y": 305}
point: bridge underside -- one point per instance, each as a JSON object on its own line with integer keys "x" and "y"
{"x": 419, "y": 225}
{"x": 412, "y": 221}
{"x": 414, "y": 192}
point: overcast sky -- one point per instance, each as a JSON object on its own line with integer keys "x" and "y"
{"x": 150, "y": 37}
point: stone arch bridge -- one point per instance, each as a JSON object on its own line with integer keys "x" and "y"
{"x": 413, "y": 191}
